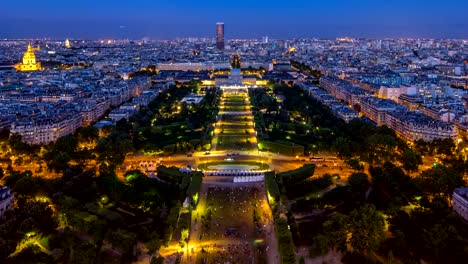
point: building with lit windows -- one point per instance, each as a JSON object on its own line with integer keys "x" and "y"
{"x": 29, "y": 62}
{"x": 413, "y": 126}
{"x": 220, "y": 36}
{"x": 460, "y": 202}
{"x": 46, "y": 129}
{"x": 93, "y": 109}
{"x": 6, "y": 200}
{"x": 375, "y": 108}
{"x": 462, "y": 126}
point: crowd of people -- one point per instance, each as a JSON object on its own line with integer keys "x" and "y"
{"x": 231, "y": 253}
{"x": 233, "y": 220}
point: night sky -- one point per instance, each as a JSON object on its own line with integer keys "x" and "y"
{"x": 164, "y": 19}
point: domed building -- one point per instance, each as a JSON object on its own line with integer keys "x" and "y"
{"x": 67, "y": 44}
{"x": 29, "y": 62}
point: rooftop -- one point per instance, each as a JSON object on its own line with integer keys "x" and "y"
{"x": 463, "y": 192}
{"x": 5, "y": 192}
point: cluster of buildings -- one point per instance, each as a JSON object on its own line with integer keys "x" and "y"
{"x": 425, "y": 81}
{"x": 42, "y": 104}
{"x": 339, "y": 108}
{"x": 408, "y": 123}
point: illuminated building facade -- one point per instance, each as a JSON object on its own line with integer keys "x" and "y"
{"x": 460, "y": 202}
{"x": 46, "y": 129}
{"x": 220, "y": 36}
{"x": 29, "y": 62}
{"x": 6, "y": 200}
{"x": 235, "y": 62}
{"x": 67, "y": 44}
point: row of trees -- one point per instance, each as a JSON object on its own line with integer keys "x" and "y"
{"x": 357, "y": 227}
{"x": 89, "y": 199}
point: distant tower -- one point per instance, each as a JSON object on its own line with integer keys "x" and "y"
{"x": 67, "y": 44}
{"x": 29, "y": 62}
{"x": 220, "y": 36}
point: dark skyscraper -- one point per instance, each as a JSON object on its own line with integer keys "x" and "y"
{"x": 220, "y": 35}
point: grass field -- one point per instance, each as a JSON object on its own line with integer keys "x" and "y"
{"x": 236, "y": 129}
{"x": 235, "y": 142}
{"x": 261, "y": 166}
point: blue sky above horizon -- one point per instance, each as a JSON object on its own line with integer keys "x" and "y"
{"x": 163, "y": 19}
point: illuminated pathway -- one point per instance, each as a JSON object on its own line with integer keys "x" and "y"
{"x": 234, "y": 130}
{"x": 235, "y": 134}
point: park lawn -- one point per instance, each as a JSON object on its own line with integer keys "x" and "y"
{"x": 228, "y": 124}
{"x": 235, "y": 108}
{"x": 240, "y": 127}
{"x": 235, "y": 99}
{"x": 44, "y": 241}
{"x": 234, "y": 142}
{"x": 236, "y": 118}
{"x": 237, "y": 131}
{"x": 262, "y": 166}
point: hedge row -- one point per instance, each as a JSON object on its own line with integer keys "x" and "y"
{"x": 194, "y": 187}
{"x": 308, "y": 187}
{"x": 281, "y": 147}
{"x": 285, "y": 242}
{"x": 170, "y": 174}
{"x": 297, "y": 175}
{"x": 273, "y": 190}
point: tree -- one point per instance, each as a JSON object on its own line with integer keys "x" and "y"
{"x": 367, "y": 227}
{"x": 439, "y": 180}
{"x": 320, "y": 246}
{"x": 17, "y": 145}
{"x": 355, "y": 164}
{"x": 359, "y": 182}
{"x": 410, "y": 160}
{"x": 342, "y": 146}
{"x": 84, "y": 252}
{"x": 380, "y": 148}
{"x": 445, "y": 146}
{"x": 88, "y": 134}
{"x": 122, "y": 239}
{"x": 390, "y": 185}
{"x": 435, "y": 238}
{"x": 114, "y": 148}
{"x": 26, "y": 185}
{"x": 302, "y": 260}
{"x": 61, "y": 153}
{"x": 336, "y": 232}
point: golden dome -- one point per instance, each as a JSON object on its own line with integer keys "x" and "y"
{"x": 67, "y": 44}
{"x": 29, "y": 62}
{"x": 29, "y": 57}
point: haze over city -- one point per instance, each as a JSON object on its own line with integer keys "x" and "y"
{"x": 246, "y": 19}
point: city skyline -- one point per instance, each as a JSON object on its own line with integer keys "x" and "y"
{"x": 296, "y": 19}
{"x": 184, "y": 132}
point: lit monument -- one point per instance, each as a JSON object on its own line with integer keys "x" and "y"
{"x": 29, "y": 62}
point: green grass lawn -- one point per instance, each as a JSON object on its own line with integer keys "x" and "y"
{"x": 44, "y": 241}
{"x": 237, "y": 108}
{"x": 236, "y": 118}
{"x": 262, "y": 166}
{"x": 235, "y": 131}
{"x": 233, "y": 142}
